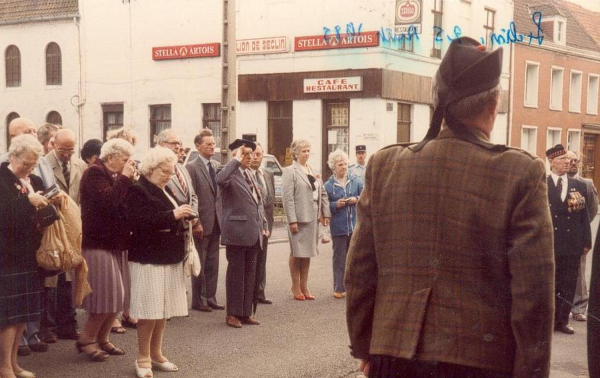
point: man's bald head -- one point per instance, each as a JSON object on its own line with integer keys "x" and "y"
{"x": 20, "y": 126}
{"x": 64, "y": 144}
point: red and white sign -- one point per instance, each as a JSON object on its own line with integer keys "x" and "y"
{"x": 335, "y": 84}
{"x": 332, "y": 41}
{"x": 261, "y": 46}
{"x": 186, "y": 51}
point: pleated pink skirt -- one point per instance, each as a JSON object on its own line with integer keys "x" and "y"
{"x": 109, "y": 278}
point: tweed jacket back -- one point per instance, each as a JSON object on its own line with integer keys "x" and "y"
{"x": 451, "y": 259}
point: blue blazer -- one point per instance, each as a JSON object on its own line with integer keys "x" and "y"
{"x": 343, "y": 219}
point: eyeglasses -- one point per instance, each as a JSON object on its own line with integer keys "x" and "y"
{"x": 27, "y": 164}
{"x": 178, "y": 144}
{"x": 65, "y": 151}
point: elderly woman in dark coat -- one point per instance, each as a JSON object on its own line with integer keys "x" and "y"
{"x": 105, "y": 241}
{"x": 156, "y": 253}
{"x": 20, "y": 282}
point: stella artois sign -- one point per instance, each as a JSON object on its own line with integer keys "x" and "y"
{"x": 186, "y": 51}
{"x": 408, "y": 12}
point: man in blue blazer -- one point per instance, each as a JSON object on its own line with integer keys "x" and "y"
{"x": 243, "y": 226}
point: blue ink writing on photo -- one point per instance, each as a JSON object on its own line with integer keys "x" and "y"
{"x": 351, "y": 30}
{"x": 388, "y": 34}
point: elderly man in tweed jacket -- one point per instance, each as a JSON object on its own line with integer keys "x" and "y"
{"x": 450, "y": 269}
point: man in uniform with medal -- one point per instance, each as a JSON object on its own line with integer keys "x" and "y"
{"x": 572, "y": 233}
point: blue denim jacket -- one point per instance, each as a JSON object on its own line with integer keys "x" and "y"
{"x": 343, "y": 219}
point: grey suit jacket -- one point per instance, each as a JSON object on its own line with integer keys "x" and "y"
{"x": 77, "y": 167}
{"x": 269, "y": 197}
{"x": 297, "y": 196}
{"x": 591, "y": 197}
{"x": 243, "y": 218}
{"x": 189, "y": 199}
{"x": 206, "y": 193}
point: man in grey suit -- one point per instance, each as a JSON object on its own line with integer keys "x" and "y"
{"x": 266, "y": 183}
{"x": 580, "y": 301}
{"x": 202, "y": 172}
{"x": 244, "y": 225}
{"x": 58, "y": 316}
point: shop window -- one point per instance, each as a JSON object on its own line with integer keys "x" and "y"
{"x": 211, "y": 119}
{"x": 160, "y": 119}
{"x": 531, "y": 84}
{"x": 54, "y": 118}
{"x": 490, "y": 16}
{"x": 592, "y": 95}
{"x": 575, "y": 92}
{"x": 404, "y": 122}
{"x": 406, "y": 43}
{"x": 529, "y": 139}
{"x": 53, "y": 64}
{"x": 438, "y": 13}
{"x": 336, "y": 131}
{"x": 556, "y": 88}
{"x": 12, "y": 60}
{"x": 9, "y": 119}
{"x": 112, "y": 117}
{"x": 280, "y": 124}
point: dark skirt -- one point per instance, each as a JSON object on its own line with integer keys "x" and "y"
{"x": 20, "y": 297}
{"x": 109, "y": 278}
{"x": 390, "y": 367}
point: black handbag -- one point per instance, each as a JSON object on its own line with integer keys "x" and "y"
{"x": 47, "y": 215}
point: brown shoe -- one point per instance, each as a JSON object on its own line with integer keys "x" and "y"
{"x": 40, "y": 347}
{"x": 23, "y": 351}
{"x": 250, "y": 320}
{"x": 233, "y": 321}
{"x": 49, "y": 338}
{"x": 579, "y": 317}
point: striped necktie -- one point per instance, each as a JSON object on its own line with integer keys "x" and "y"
{"x": 181, "y": 181}
{"x": 66, "y": 173}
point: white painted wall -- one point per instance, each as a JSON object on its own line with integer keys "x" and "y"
{"x": 34, "y": 99}
{"x": 119, "y": 68}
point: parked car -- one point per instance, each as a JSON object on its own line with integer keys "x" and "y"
{"x": 269, "y": 163}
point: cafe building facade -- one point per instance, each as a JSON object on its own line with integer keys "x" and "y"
{"x": 361, "y": 76}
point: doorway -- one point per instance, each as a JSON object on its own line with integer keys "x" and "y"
{"x": 280, "y": 130}
{"x": 336, "y": 131}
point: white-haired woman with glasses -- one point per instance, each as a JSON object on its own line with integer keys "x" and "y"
{"x": 20, "y": 281}
{"x": 343, "y": 190}
{"x": 305, "y": 203}
{"x": 105, "y": 241}
{"x": 156, "y": 253}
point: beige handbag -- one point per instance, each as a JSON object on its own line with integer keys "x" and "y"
{"x": 191, "y": 261}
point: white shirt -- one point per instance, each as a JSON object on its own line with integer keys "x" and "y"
{"x": 565, "y": 184}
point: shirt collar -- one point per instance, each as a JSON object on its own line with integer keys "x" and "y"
{"x": 555, "y": 177}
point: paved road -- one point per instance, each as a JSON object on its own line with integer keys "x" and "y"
{"x": 296, "y": 339}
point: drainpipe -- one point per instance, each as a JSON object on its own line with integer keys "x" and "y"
{"x": 81, "y": 98}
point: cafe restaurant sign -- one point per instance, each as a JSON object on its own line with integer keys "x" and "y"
{"x": 335, "y": 84}
{"x": 261, "y": 46}
{"x": 186, "y": 51}
{"x": 337, "y": 41}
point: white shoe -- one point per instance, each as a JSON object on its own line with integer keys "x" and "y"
{"x": 141, "y": 372}
{"x": 165, "y": 366}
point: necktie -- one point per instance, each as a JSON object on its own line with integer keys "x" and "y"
{"x": 213, "y": 176}
{"x": 251, "y": 184}
{"x": 181, "y": 181}
{"x": 559, "y": 186}
{"x": 260, "y": 183}
{"x": 66, "y": 173}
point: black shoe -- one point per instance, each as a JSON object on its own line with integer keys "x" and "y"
{"x": 216, "y": 306}
{"x": 23, "y": 350}
{"x": 40, "y": 347}
{"x": 202, "y": 308}
{"x": 265, "y": 301}
{"x": 565, "y": 328}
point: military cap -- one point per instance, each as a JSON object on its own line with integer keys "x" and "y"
{"x": 361, "y": 148}
{"x": 242, "y": 142}
{"x": 556, "y": 151}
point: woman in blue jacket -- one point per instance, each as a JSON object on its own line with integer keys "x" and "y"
{"x": 343, "y": 190}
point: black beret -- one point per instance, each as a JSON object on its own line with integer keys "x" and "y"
{"x": 556, "y": 151}
{"x": 361, "y": 148}
{"x": 242, "y": 142}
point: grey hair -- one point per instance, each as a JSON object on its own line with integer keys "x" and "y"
{"x": 164, "y": 135}
{"x": 470, "y": 106}
{"x": 123, "y": 133}
{"x": 115, "y": 147}
{"x": 44, "y": 131}
{"x": 335, "y": 157}
{"x": 25, "y": 143}
{"x": 156, "y": 156}
{"x": 297, "y": 145}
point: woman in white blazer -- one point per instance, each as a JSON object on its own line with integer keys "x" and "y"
{"x": 305, "y": 203}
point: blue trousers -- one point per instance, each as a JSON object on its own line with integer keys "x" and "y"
{"x": 340, "y": 250}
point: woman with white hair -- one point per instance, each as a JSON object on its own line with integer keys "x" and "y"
{"x": 156, "y": 253}
{"x": 105, "y": 242}
{"x": 20, "y": 282}
{"x": 305, "y": 203}
{"x": 343, "y": 190}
